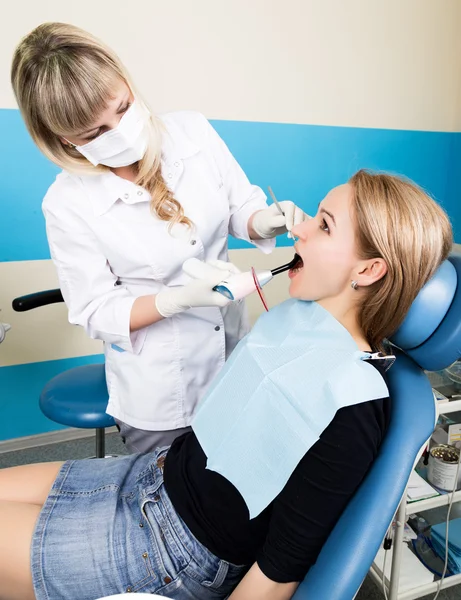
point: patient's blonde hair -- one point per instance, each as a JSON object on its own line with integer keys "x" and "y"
{"x": 399, "y": 222}
{"x": 63, "y": 78}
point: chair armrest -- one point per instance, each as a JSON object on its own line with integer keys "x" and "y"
{"x": 31, "y": 301}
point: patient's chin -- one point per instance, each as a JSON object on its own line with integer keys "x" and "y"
{"x": 295, "y": 290}
{"x": 298, "y": 291}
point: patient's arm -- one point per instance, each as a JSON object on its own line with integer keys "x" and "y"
{"x": 306, "y": 510}
{"x": 256, "y": 586}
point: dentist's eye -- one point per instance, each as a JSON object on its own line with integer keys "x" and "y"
{"x": 124, "y": 109}
{"x": 324, "y": 226}
{"x": 93, "y": 136}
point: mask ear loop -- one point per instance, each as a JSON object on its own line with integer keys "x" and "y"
{"x": 259, "y": 289}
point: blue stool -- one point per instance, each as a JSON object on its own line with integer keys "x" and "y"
{"x": 429, "y": 339}
{"x": 78, "y": 397}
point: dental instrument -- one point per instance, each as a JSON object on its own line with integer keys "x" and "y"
{"x": 277, "y": 204}
{"x": 239, "y": 285}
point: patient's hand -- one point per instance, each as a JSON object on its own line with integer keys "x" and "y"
{"x": 256, "y": 586}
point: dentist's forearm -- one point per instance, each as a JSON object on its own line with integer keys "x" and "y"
{"x": 256, "y": 586}
{"x": 144, "y": 312}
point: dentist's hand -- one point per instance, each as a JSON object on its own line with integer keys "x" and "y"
{"x": 268, "y": 223}
{"x": 199, "y": 292}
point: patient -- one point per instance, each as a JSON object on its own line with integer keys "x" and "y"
{"x": 162, "y": 523}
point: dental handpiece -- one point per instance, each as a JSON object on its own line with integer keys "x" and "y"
{"x": 239, "y": 285}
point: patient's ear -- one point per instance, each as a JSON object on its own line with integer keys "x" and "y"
{"x": 370, "y": 271}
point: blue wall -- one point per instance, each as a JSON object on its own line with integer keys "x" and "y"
{"x": 20, "y": 388}
{"x": 300, "y": 162}
{"x": 303, "y": 162}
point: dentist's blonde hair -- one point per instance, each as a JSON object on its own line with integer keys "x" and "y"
{"x": 398, "y": 222}
{"x": 62, "y": 78}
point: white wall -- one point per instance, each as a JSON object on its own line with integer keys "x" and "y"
{"x": 365, "y": 63}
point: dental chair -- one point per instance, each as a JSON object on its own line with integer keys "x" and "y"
{"x": 77, "y": 397}
{"x": 429, "y": 339}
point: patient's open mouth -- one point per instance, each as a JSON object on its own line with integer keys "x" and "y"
{"x": 286, "y": 267}
{"x": 298, "y": 263}
{"x": 296, "y": 267}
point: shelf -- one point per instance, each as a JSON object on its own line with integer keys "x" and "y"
{"x": 444, "y": 408}
{"x": 416, "y": 592}
{"x": 442, "y": 500}
{"x": 405, "y": 509}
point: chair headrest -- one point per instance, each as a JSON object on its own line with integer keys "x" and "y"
{"x": 431, "y": 332}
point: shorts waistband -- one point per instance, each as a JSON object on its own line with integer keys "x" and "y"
{"x": 192, "y": 546}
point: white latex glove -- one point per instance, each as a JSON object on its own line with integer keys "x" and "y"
{"x": 4, "y": 327}
{"x": 222, "y": 264}
{"x": 199, "y": 292}
{"x": 269, "y": 223}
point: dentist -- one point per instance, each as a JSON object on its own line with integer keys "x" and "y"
{"x": 139, "y": 194}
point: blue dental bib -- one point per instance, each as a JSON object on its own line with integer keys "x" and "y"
{"x": 277, "y": 393}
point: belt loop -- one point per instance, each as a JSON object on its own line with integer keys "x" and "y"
{"x": 220, "y": 575}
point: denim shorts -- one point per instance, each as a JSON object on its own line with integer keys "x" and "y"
{"x": 108, "y": 527}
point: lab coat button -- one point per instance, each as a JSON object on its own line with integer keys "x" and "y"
{"x": 193, "y": 242}
{"x": 176, "y": 164}
{"x": 126, "y": 196}
{"x": 139, "y": 192}
{"x": 217, "y": 328}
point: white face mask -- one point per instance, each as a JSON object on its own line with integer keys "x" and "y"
{"x": 123, "y": 145}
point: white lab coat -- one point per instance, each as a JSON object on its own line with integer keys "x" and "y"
{"x": 109, "y": 248}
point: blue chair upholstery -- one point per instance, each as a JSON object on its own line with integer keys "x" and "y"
{"x": 429, "y": 339}
{"x": 77, "y": 397}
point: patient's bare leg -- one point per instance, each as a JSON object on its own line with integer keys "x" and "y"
{"x": 23, "y": 491}
{"x": 17, "y": 522}
{"x": 28, "y": 483}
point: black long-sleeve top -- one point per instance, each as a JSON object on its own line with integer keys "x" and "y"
{"x": 286, "y": 538}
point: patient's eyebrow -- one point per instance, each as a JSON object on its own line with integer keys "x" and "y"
{"x": 327, "y": 212}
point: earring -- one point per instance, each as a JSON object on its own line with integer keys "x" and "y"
{"x": 354, "y": 285}
{"x": 70, "y": 144}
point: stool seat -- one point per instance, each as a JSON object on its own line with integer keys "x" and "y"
{"x": 78, "y": 398}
